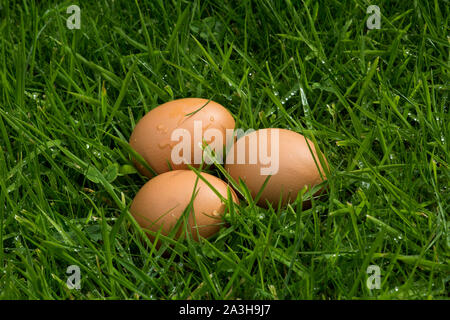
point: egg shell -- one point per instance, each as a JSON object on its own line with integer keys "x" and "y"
{"x": 160, "y": 203}
{"x": 151, "y": 137}
{"x": 296, "y": 165}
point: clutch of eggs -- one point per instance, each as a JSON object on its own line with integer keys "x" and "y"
{"x": 289, "y": 157}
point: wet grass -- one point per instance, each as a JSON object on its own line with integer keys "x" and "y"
{"x": 375, "y": 101}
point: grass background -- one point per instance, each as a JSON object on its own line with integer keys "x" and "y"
{"x": 376, "y": 102}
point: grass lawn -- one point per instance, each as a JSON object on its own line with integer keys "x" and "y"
{"x": 375, "y": 101}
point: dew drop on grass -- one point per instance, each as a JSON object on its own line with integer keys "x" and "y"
{"x": 412, "y": 117}
{"x": 304, "y": 100}
{"x": 365, "y": 185}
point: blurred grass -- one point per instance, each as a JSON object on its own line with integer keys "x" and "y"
{"x": 376, "y": 102}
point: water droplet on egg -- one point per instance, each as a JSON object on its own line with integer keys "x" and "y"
{"x": 161, "y": 128}
{"x": 163, "y": 145}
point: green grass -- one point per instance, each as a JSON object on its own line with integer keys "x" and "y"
{"x": 376, "y": 102}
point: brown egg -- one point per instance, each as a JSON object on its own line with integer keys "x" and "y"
{"x": 282, "y": 153}
{"x": 171, "y": 133}
{"x": 160, "y": 203}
